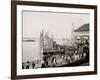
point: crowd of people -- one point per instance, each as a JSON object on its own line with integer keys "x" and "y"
{"x": 64, "y": 57}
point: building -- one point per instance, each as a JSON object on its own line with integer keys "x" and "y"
{"x": 82, "y": 33}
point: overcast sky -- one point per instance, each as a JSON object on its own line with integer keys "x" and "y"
{"x": 60, "y": 24}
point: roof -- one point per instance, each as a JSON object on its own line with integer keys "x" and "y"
{"x": 84, "y": 27}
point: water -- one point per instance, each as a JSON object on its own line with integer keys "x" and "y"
{"x": 31, "y": 50}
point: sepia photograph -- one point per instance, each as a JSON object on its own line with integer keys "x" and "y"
{"x": 53, "y": 39}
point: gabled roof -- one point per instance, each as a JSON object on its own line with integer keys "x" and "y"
{"x": 84, "y": 27}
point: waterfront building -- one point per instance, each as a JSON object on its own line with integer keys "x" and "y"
{"x": 82, "y": 33}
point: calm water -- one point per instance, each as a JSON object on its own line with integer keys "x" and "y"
{"x": 31, "y": 50}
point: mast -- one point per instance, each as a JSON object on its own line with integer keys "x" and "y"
{"x": 41, "y": 43}
{"x": 72, "y": 34}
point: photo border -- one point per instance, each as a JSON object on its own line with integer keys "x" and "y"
{"x": 14, "y": 38}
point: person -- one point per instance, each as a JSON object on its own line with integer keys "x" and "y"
{"x": 33, "y": 64}
{"x": 68, "y": 59}
{"x": 27, "y": 65}
{"x": 22, "y": 65}
{"x": 80, "y": 50}
{"x": 54, "y": 61}
{"x": 86, "y": 50}
{"x": 42, "y": 64}
{"x": 84, "y": 55}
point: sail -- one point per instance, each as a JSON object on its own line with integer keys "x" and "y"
{"x": 46, "y": 42}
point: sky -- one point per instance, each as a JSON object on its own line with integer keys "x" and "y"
{"x": 58, "y": 24}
